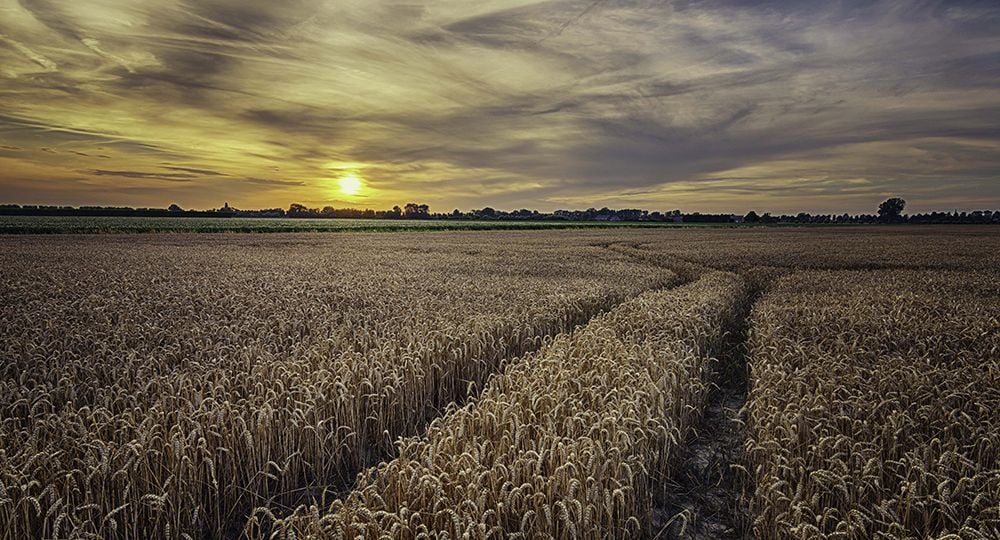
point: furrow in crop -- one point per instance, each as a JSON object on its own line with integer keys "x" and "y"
{"x": 570, "y": 442}
{"x": 706, "y": 497}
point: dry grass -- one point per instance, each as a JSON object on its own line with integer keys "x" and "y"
{"x": 167, "y": 391}
{"x": 570, "y": 442}
{"x": 875, "y": 408}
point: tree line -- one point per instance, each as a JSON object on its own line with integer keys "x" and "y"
{"x": 890, "y": 211}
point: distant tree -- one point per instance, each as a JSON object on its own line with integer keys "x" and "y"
{"x": 328, "y": 211}
{"x": 891, "y": 209}
{"x": 488, "y": 212}
{"x": 416, "y": 211}
{"x": 396, "y": 212}
{"x": 174, "y": 208}
{"x": 297, "y": 209}
{"x": 751, "y": 217}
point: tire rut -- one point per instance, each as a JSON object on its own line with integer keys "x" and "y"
{"x": 706, "y": 498}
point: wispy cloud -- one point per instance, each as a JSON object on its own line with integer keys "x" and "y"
{"x": 707, "y": 105}
{"x": 170, "y": 177}
{"x": 42, "y": 61}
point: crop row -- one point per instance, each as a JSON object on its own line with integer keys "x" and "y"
{"x": 572, "y": 441}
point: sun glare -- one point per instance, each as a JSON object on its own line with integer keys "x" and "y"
{"x": 350, "y": 185}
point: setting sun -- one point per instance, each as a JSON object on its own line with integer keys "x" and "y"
{"x": 350, "y": 185}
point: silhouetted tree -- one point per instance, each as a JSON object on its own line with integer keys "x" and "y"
{"x": 416, "y": 211}
{"x": 891, "y": 209}
{"x": 751, "y": 217}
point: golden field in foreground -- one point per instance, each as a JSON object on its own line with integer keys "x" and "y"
{"x": 490, "y": 384}
{"x": 875, "y": 405}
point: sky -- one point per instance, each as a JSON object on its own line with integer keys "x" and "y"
{"x": 711, "y": 106}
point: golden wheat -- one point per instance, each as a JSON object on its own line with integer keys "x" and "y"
{"x": 190, "y": 386}
{"x": 570, "y": 442}
{"x": 834, "y": 248}
{"x": 172, "y": 389}
{"x": 875, "y": 406}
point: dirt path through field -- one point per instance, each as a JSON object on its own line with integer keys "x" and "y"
{"x": 704, "y": 499}
{"x": 707, "y": 497}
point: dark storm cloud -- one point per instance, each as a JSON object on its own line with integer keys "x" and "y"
{"x": 703, "y": 104}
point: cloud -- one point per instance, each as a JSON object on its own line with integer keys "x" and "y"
{"x": 711, "y": 105}
{"x": 272, "y": 182}
{"x": 42, "y": 61}
{"x": 201, "y": 172}
{"x": 170, "y": 177}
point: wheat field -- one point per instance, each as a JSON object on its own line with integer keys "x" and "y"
{"x": 569, "y": 443}
{"x": 876, "y": 406}
{"x": 528, "y": 384}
